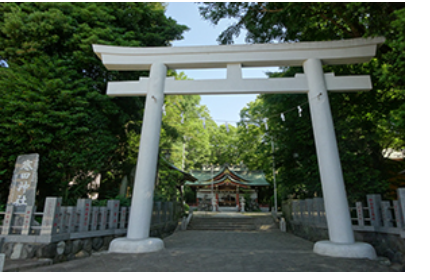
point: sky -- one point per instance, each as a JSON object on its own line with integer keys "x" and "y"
{"x": 202, "y": 32}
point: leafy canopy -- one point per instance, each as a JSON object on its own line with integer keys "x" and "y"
{"x": 53, "y": 98}
{"x": 366, "y": 123}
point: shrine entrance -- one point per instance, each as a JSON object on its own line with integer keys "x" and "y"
{"x": 313, "y": 82}
{"x": 227, "y": 199}
{"x": 226, "y": 185}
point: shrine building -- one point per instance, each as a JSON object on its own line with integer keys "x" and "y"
{"x": 228, "y": 184}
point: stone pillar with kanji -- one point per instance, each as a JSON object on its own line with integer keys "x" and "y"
{"x": 22, "y": 193}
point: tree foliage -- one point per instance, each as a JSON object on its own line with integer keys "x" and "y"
{"x": 185, "y": 138}
{"x": 53, "y": 98}
{"x": 365, "y": 122}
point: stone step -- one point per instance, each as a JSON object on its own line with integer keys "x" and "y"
{"x": 238, "y": 220}
{"x": 214, "y": 226}
{"x": 222, "y": 224}
{"x": 244, "y": 218}
{"x": 194, "y": 226}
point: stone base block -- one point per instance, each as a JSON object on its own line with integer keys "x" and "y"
{"x": 357, "y": 250}
{"x": 134, "y": 246}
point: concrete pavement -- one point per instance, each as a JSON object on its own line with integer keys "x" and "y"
{"x": 218, "y": 251}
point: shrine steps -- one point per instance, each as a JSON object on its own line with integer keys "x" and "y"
{"x": 222, "y": 223}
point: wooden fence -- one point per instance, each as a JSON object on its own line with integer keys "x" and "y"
{"x": 377, "y": 216}
{"x": 74, "y": 222}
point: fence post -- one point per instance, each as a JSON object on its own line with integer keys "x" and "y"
{"x": 71, "y": 212}
{"x": 303, "y": 216}
{"x": 401, "y": 198}
{"x": 28, "y": 218}
{"x": 397, "y": 214}
{"x": 103, "y": 217}
{"x": 95, "y": 218}
{"x": 373, "y": 201}
{"x": 315, "y": 212}
{"x": 7, "y": 222}
{"x": 51, "y": 213}
{"x": 113, "y": 206}
{"x": 123, "y": 217}
{"x": 299, "y": 211}
{"x": 294, "y": 210}
{"x": 386, "y": 214}
{"x": 310, "y": 210}
{"x": 318, "y": 206}
{"x": 64, "y": 223}
{"x": 360, "y": 216}
{"x": 84, "y": 208}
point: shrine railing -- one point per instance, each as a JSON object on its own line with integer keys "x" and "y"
{"x": 377, "y": 216}
{"x": 73, "y": 222}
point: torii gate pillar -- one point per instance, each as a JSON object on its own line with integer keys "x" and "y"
{"x": 342, "y": 243}
{"x": 138, "y": 240}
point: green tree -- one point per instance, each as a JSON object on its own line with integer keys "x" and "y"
{"x": 192, "y": 121}
{"x": 365, "y": 122}
{"x": 255, "y": 146}
{"x": 183, "y": 136}
{"x": 224, "y": 145}
{"x": 53, "y": 98}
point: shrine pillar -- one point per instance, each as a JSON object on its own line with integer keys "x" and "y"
{"x": 237, "y": 199}
{"x": 217, "y": 199}
{"x": 138, "y": 240}
{"x": 341, "y": 235}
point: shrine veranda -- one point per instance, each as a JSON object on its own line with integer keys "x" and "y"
{"x": 313, "y": 82}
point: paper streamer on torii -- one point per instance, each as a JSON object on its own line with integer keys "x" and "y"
{"x": 300, "y": 110}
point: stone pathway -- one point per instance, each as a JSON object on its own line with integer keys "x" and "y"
{"x": 217, "y": 251}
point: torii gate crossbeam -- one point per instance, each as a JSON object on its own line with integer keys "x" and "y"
{"x": 310, "y": 55}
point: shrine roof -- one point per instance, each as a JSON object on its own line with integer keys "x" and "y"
{"x": 243, "y": 177}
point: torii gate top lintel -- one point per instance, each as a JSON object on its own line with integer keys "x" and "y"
{"x": 257, "y": 55}
{"x": 234, "y": 57}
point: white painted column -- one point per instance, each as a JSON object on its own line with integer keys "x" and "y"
{"x": 335, "y": 200}
{"x": 338, "y": 217}
{"x": 138, "y": 240}
{"x": 275, "y": 195}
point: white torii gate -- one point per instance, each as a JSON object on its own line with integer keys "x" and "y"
{"x": 310, "y": 55}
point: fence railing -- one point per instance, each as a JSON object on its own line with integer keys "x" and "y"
{"x": 377, "y": 216}
{"x": 73, "y": 222}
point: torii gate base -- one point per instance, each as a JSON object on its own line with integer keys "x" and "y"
{"x": 357, "y": 250}
{"x": 314, "y": 82}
